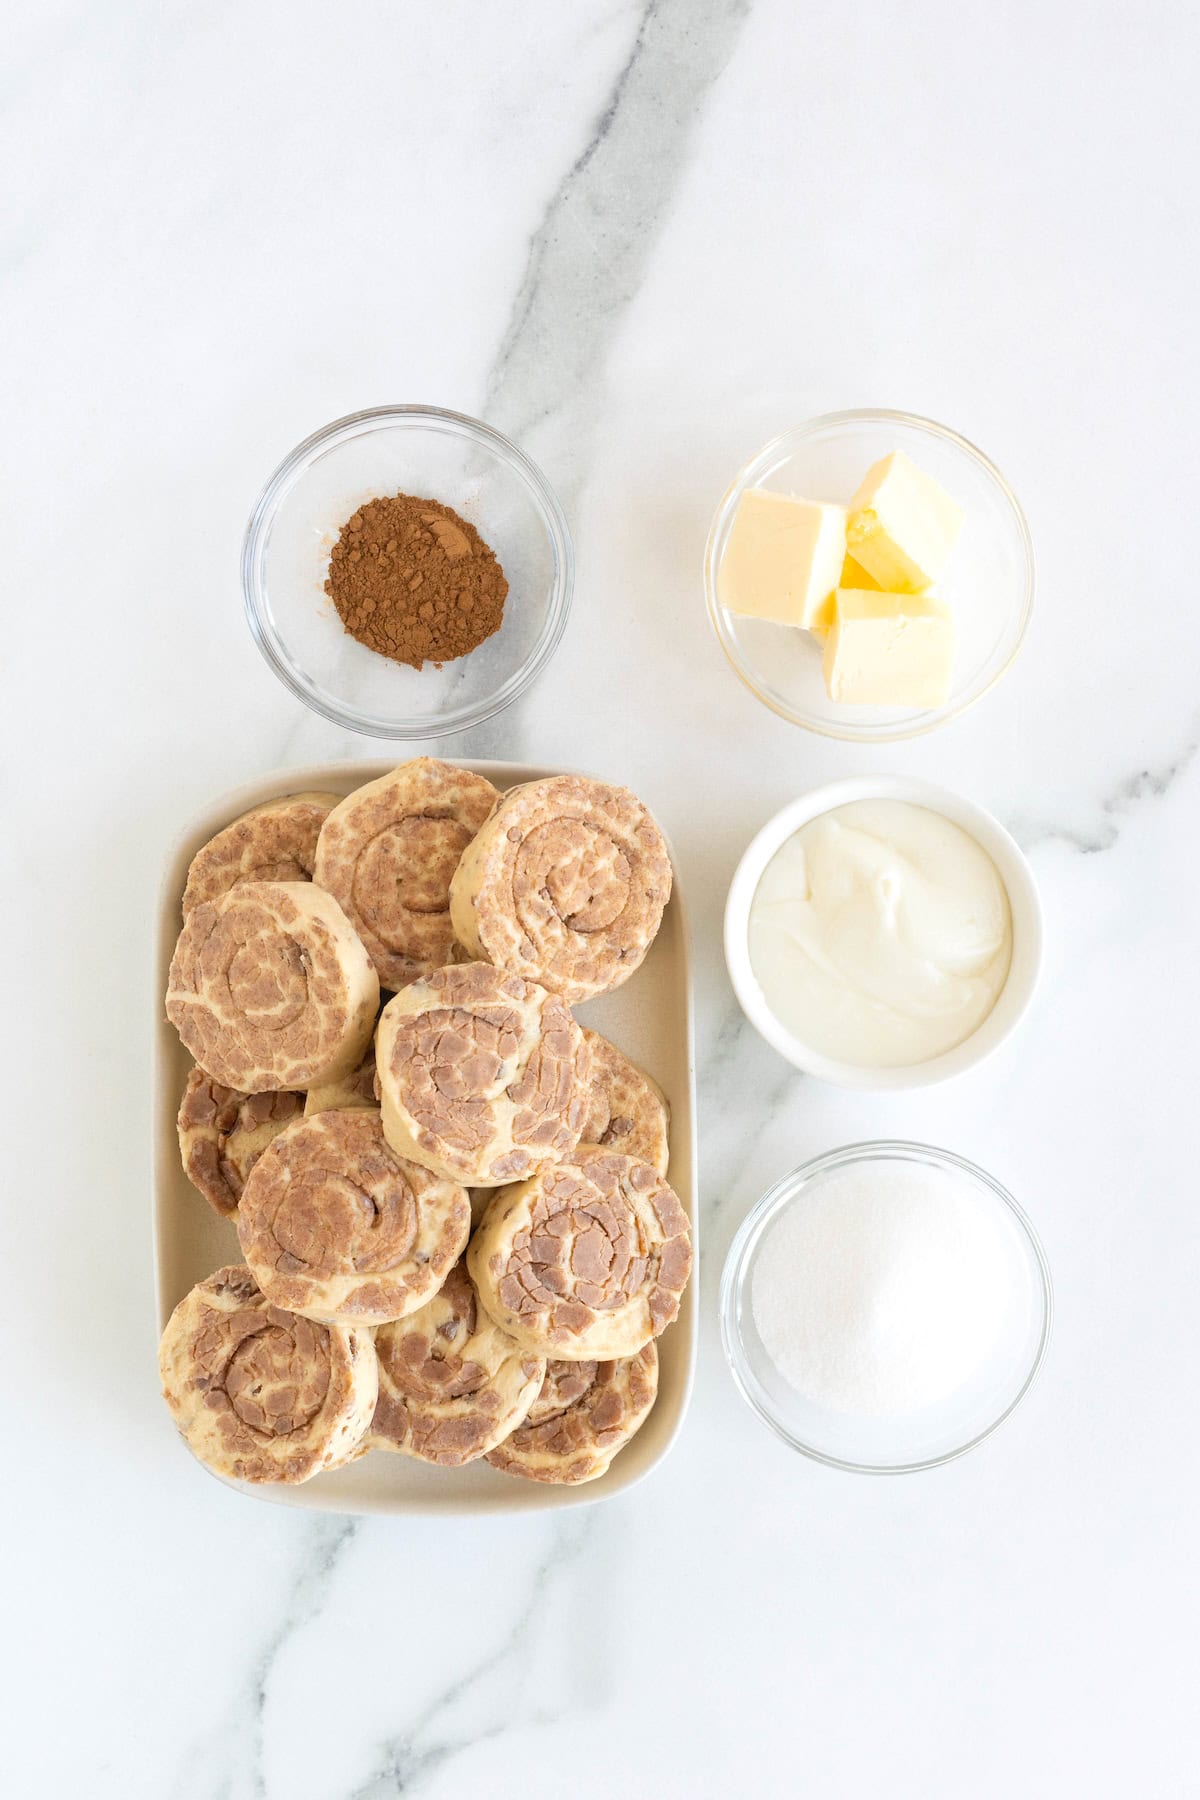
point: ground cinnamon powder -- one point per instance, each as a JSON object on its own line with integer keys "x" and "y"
{"x": 416, "y": 582}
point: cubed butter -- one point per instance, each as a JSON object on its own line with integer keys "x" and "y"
{"x": 889, "y": 649}
{"x": 903, "y": 525}
{"x": 783, "y": 559}
{"x": 855, "y": 576}
{"x": 851, "y": 577}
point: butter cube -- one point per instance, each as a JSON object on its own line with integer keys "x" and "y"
{"x": 855, "y": 576}
{"x": 903, "y": 525}
{"x": 889, "y": 649}
{"x": 852, "y": 576}
{"x": 783, "y": 558}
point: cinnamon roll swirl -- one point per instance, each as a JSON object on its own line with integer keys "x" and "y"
{"x": 584, "y": 1414}
{"x": 565, "y": 884}
{"x": 386, "y": 854}
{"x": 270, "y": 988}
{"x": 258, "y": 1393}
{"x": 627, "y": 1111}
{"x": 482, "y": 1076}
{"x": 585, "y": 1259}
{"x": 452, "y": 1385}
{"x": 273, "y": 842}
{"x": 223, "y": 1133}
{"x": 334, "y": 1225}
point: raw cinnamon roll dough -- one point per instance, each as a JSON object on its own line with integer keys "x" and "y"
{"x": 585, "y": 1413}
{"x": 270, "y": 988}
{"x": 259, "y": 1394}
{"x": 334, "y": 1225}
{"x": 386, "y": 854}
{"x": 353, "y": 1091}
{"x": 627, "y": 1111}
{"x": 273, "y": 842}
{"x": 452, "y": 1385}
{"x": 565, "y": 883}
{"x": 222, "y": 1134}
{"x": 482, "y": 1076}
{"x": 585, "y": 1259}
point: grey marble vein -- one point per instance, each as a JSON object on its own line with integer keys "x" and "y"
{"x": 724, "y": 1043}
{"x": 428, "y": 1741}
{"x": 1115, "y": 807}
{"x": 587, "y": 258}
{"x": 228, "y": 1763}
{"x": 753, "y": 1082}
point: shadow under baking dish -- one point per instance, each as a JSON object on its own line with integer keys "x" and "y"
{"x": 650, "y": 1018}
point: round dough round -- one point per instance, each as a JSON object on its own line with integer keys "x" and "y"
{"x": 387, "y": 852}
{"x": 222, "y": 1134}
{"x": 627, "y": 1111}
{"x": 452, "y": 1385}
{"x": 482, "y": 1076}
{"x": 273, "y": 842}
{"x": 270, "y": 988}
{"x": 259, "y": 1394}
{"x": 586, "y": 1259}
{"x": 585, "y": 1413}
{"x": 334, "y": 1225}
{"x": 566, "y": 884}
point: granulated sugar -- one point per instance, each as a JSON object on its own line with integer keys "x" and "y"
{"x": 882, "y": 1290}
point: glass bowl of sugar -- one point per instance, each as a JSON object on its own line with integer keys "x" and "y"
{"x": 886, "y": 1307}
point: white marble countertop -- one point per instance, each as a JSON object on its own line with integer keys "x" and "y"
{"x": 642, "y": 239}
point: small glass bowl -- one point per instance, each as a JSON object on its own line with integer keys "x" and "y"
{"x": 435, "y": 454}
{"x": 989, "y": 581}
{"x": 919, "y": 1440}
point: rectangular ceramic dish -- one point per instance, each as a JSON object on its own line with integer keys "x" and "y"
{"x": 650, "y": 1019}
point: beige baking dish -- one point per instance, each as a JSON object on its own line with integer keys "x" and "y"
{"x": 650, "y": 1018}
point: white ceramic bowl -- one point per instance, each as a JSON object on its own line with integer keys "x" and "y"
{"x": 1015, "y": 996}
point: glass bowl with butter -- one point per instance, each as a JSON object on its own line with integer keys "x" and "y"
{"x": 883, "y": 933}
{"x": 869, "y": 575}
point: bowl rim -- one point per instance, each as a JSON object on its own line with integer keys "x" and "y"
{"x": 407, "y": 415}
{"x": 921, "y": 722}
{"x": 787, "y": 1189}
{"x": 1028, "y": 931}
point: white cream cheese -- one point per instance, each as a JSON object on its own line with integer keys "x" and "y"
{"x": 880, "y": 934}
